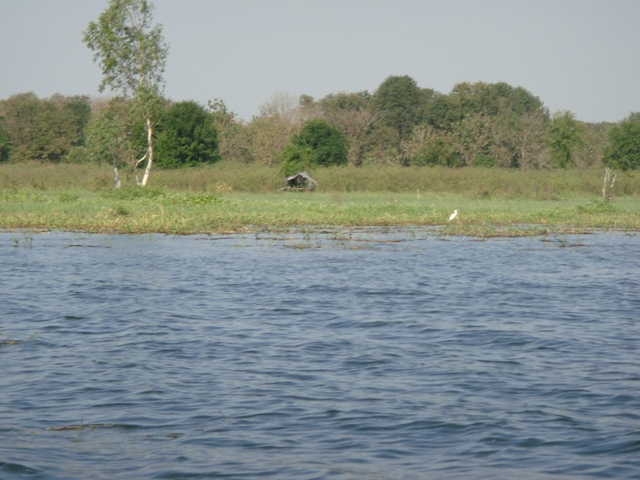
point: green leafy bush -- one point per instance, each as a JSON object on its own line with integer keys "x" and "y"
{"x": 296, "y": 159}
{"x": 624, "y": 152}
{"x": 134, "y": 192}
{"x": 187, "y": 136}
{"x": 486, "y": 161}
{"x": 325, "y": 141}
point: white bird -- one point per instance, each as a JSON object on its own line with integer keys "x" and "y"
{"x": 453, "y": 215}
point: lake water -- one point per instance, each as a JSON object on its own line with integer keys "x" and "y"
{"x": 351, "y": 355}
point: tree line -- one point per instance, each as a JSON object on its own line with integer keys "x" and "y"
{"x": 476, "y": 124}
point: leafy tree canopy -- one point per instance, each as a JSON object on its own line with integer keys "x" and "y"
{"x": 564, "y": 136}
{"x": 480, "y": 98}
{"x": 319, "y": 143}
{"x": 345, "y": 101}
{"x": 187, "y": 136}
{"x": 130, "y": 50}
{"x": 624, "y": 152}
{"x": 43, "y": 129}
{"x": 398, "y": 100}
{"x": 326, "y": 141}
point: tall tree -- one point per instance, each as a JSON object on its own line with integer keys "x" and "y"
{"x": 318, "y": 143}
{"x": 187, "y": 136}
{"x": 398, "y": 101}
{"x": 43, "y": 129}
{"x": 624, "y": 152}
{"x": 566, "y": 134}
{"x": 480, "y": 98}
{"x": 328, "y": 143}
{"x": 132, "y": 54}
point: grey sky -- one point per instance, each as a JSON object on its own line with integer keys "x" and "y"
{"x": 577, "y": 55}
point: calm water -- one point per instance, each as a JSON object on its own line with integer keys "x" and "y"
{"x": 368, "y": 355}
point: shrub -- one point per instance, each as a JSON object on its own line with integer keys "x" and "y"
{"x": 187, "y": 136}
{"x": 624, "y": 152}
{"x": 296, "y": 159}
{"x": 324, "y": 142}
{"x": 486, "y": 161}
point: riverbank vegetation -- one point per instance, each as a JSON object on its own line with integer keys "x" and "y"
{"x": 225, "y": 198}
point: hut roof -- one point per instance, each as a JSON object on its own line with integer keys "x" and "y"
{"x": 300, "y": 181}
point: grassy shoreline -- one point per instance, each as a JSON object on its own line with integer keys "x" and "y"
{"x": 220, "y": 200}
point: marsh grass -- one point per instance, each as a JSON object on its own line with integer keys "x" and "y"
{"x": 240, "y": 198}
{"x": 225, "y": 178}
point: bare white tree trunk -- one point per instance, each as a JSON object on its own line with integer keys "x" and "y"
{"x": 147, "y": 170}
{"x": 609, "y": 182}
{"x": 137, "y": 164}
{"x": 116, "y": 175}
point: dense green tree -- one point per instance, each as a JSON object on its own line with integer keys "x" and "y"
{"x": 78, "y": 109}
{"x": 187, "y": 136}
{"x": 492, "y": 120}
{"x": 480, "y": 98}
{"x": 624, "y": 151}
{"x": 566, "y": 135}
{"x": 43, "y": 129}
{"x": 296, "y": 159}
{"x": 319, "y": 143}
{"x": 491, "y": 98}
{"x": 326, "y": 141}
{"x": 398, "y": 101}
{"x": 4, "y": 144}
{"x": 132, "y": 54}
{"x": 440, "y": 114}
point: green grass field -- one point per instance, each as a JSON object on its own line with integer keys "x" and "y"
{"x": 236, "y": 198}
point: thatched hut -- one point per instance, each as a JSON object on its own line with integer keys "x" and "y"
{"x": 301, "y": 181}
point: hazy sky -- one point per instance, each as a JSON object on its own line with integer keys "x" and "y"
{"x": 577, "y": 55}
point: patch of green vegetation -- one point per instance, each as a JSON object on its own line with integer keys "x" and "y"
{"x": 15, "y": 195}
{"x": 597, "y": 206}
{"x": 189, "y": 198}
{"x": 133, "y": 192}
{"x": 68, "y": 197}
{"x": 121, "y": 211}
{"x": 232, "y": 198}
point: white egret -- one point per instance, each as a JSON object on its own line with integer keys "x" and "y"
{"x": 453, "y": 215}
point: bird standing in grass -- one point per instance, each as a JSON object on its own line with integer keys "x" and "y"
{"x": 453, "y": 215}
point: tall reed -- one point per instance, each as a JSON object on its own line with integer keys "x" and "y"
{"x": 223, "y": 178}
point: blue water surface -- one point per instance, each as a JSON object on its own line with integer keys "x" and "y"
{"x": 363, "y": 354}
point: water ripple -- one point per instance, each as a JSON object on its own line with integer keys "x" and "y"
{"x": 163, "y": 357}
